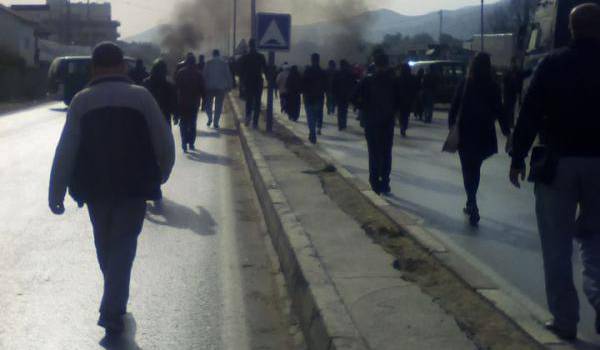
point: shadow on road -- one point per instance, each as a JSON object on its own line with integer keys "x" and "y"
{"x": 228, "y": 132}
{"x": 125, "y": 341}
{"x": 171, "y": 214}
{"x": 204, "y": 157}
{"x": 489, "y": 229}
{"x": 210, "y": 134}
{"x": 58, "y": 109}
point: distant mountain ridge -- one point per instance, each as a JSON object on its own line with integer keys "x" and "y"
{"x": 374, "y": 25}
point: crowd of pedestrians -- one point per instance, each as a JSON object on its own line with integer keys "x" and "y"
{"x": 116, "y": 148}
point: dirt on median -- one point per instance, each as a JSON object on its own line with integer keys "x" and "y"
{"x": 478, "y": 318}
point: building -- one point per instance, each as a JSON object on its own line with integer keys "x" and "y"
{"x": 83, "y": 24}
{"x": 18, "y": 36}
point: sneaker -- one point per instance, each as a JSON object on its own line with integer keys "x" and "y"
{"x": 192, "y": 147}
{"x": 563, "y": 334}
{"x": 217, "y": 126}
{"x": 185, "y": 149}
{"x": 319, "y": 131}
{"x": 312, "y": 139}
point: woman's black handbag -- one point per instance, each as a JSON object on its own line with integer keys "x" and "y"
{"x": 544, "y": 164}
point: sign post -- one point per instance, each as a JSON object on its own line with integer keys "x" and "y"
{"x": 273, "y": 32}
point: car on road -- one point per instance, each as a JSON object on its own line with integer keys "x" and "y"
{"x": 69, "y": 75}
{"x": 449, "y": 74}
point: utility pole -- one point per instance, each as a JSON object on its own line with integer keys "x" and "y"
{"x": 482, "y": 30}
{"x": 253, "y": 18}
{"x": 68, "y": 23}
{"x": 234, "y": 26}
{"x": 441, "y": 26}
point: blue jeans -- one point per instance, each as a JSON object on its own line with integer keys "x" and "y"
{"x": 117, "y": 223}
{"x": 314, "y": 116}
{"x": 188, "y": 128}
{"x": 216, "y": 96}
{"x": 577, "y": 184}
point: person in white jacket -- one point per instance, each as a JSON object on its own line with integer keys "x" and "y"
{"x": 219, "y": 81}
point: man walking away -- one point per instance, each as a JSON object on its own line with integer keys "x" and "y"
{"x": 512, "y": 85}
{"x": 253, "y": 66}
{"x": 217, "y": 77}
{"x": 428, "y": 95}
{"x": 377, "y": 96}
{"x": 314, "y": 85}
{"x": 281, "y": 86}
{"x": 162, "y": 89}
{"x": 139, "y": 73}
{"x": 409, "y": 90}
{"x": 344, "y": 83}
{"x": 331, "y": 71}
{"x": 561, "y": 107}
{"x": 293, "y": 88}
{"x": 190, "y": 88}
{"x": 114, "y": 153}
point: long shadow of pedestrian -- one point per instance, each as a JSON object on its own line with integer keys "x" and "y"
{"x": 125, "y": 341}
{"x": 204, "y": 157}
{"x": 211, "y": 134}
{"x": 171, "y": 214}
{"x": 229, "y": 132}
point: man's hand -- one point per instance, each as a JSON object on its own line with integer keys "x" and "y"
{"x": 517, "y": 175}
{"x": 57, "y": 208}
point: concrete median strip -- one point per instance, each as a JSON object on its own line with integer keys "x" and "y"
{"x": 334, "y": 307}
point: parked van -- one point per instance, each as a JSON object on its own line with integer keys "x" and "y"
{"x": 69, "y": 75}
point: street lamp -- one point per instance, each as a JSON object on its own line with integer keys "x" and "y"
{"x": 482, "y": 25}
{"x": 253, "y": 18}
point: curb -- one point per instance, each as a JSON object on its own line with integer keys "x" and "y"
{"x": 323, "y": 317}
{"x": 492, "y": 287}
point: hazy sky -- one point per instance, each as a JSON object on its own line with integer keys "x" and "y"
{"x": 138, "y": 15}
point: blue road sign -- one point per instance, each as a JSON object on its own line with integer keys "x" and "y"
{"x": 273, "y": 31}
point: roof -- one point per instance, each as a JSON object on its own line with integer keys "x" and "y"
{"x": 17, "y": 16}
{"x": 30, "y": 7}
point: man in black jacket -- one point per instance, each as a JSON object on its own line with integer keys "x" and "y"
{"x": 114, "y": 153}
{"x": 561, "y": 107}
{"x": 253, "y": 65}
{"x": 377, "y": 96}
{"x": 190, "y": 89}
{"x": 314, "y": 86}
{"x": 344, "y": 83}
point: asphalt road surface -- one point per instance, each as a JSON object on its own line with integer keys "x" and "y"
{"x": 204, "y": 275}
{"x": 428, "y": 183}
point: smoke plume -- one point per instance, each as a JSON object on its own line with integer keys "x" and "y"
{"x": 196, "y": 23}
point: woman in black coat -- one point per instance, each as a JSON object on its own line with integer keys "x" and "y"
{"x": 479, "y": 103}
{"x": 163, "y": 91}
{"x": 294, "y": 88}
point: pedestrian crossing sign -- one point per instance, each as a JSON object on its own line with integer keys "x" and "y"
{"x": 273, "y": 31}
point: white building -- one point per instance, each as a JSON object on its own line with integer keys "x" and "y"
{"x": 72, "y": 23}
{"x": 18, "y": 35}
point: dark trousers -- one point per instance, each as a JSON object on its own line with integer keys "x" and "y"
{"x": 117, "y": 224}
{"x": 330, "y": 104}
{"x": 342, "y": 115}
{"x": 380, "y": 141}
{"x": 404, "y": 118}
{"x": 471, "y": 170}
{"x": 253, "y": 103}
{"x": 283, "y": 102}
{"x": 567, "y": 209}
{"x": 314, "y": 116}
{"x": 293, "y": 106}
{"x": 187, "y": 127}
{"x": 509, "y": 106}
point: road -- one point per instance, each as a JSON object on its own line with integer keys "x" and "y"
{"x": 428, "y": 184}
{"x": 204, "y": 277}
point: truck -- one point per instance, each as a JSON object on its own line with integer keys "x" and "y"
{"x": 501, "y": 48}
{"x": 549, "y": 30}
